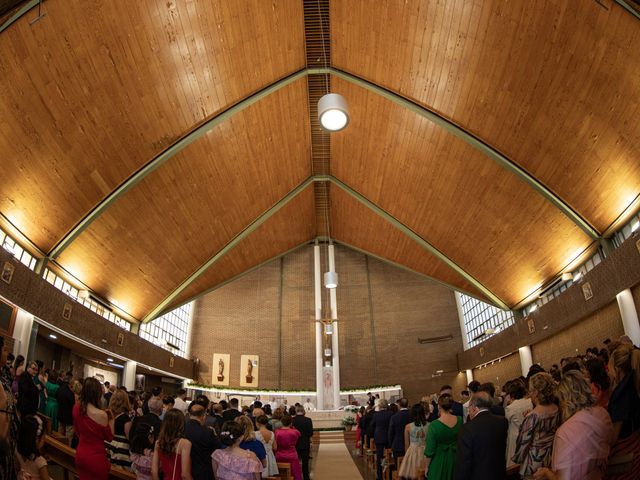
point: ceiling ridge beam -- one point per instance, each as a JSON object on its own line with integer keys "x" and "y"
{"x": 416, "y": 238}
{"x": 235, "y": 277}
{"x": 470, "y": 140}
{"x": 408, "y": 269}
{"x": 244, "y": 233}
{"x": 628, "y": 8}
{"x": 24, "y": 9}
{"x": 168, "y": 153}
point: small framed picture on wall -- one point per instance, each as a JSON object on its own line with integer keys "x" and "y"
{"x": 7, "y": 272}
{"x": 66, "y": 311}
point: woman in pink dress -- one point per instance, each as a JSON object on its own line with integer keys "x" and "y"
{"x": 581, "y": 445}
{"x": 233, "y": 462}
{"x": 286, "y": 438}
{"x": 91, "y": 424}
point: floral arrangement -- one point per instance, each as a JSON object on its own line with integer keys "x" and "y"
{"x": 348, "y": 421}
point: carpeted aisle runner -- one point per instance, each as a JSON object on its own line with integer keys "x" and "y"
{"x": 333, "y": 461}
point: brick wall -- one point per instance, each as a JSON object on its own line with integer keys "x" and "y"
{"x": 500, "y": 371}
{"x": 590, "y": 332}
{"x": 382, "y": 311}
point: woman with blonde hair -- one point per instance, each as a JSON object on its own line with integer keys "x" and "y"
{"x": 172, "y": 452}
{"x": 120, "y": 423}
{"x": 624, "y": 406}
{"x": 582, "y": 443}
{"x": 535, "y": 438}
{"x": 249, "y": 441}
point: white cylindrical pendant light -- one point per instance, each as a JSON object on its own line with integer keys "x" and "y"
{"x": 333, "y": 113}
{"x": 330, "y": 279}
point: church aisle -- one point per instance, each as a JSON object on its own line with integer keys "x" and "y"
{"x": 333, "y": 461}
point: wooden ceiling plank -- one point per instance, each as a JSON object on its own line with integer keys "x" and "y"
{"x": 166, "y": 155}
{"x": 471, "y": 140}
{"x": 227, "y": 248}
{"x": 417, "y": 238}
{"x": 28, "y": 6}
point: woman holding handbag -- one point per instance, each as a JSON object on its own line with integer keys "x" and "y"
{"x": 172, "y": 452}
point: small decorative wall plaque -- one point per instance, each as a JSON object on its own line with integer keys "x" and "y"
{"x": 7, "y": 272}
{"x": 482, "y": 351}
{"x": 531, "y": 325}
{"x": 171, "y": 360}
{"x": 638, "y": 245}
{"x": 587, "y": 291}
{"x": 120, "y": 340}
{"x": 66, "y": 311}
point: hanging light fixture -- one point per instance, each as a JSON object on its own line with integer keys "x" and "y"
{"x": 330, "y": 279}
{"x": 333, "y": 113}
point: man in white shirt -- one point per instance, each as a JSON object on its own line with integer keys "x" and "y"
{"x": 180, "y": 402}
{"x": 308, "y": 406}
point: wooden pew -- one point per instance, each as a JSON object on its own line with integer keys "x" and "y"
{"x": 60, "y": 454}
{"x": 284, "y": 471}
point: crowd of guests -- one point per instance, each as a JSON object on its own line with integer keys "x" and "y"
{"x": 153, "y": 435}
{"x": 578, "y": 421}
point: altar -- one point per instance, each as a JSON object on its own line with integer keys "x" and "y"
{"x": 324, "y": 419}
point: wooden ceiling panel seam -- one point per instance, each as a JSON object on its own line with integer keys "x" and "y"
{"x": 227, "y": 248}
{"x": 166, "y": 155}
{"x": 472, "y": 140}
{"x": 19, "y": 13}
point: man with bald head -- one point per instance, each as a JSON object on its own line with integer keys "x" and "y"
{"x": 482, "y": 442}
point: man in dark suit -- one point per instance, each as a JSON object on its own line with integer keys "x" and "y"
{"x": 305, "y": 426}
{"x": 490, "y": 388}
{"x": 396, "y": 428}
{"x": 456, "y": 410}
{"x": 233, "y": 412}
{"x": 380, "y": 426}
{"x": 482, "y": 442}
{"x": 152, "y": 418}
{"x": 203, "y": 442}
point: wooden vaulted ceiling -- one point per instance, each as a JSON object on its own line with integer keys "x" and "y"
{"x": 158, "y": 149}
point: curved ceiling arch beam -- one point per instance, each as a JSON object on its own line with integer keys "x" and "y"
{"x": 227, "y": 248}
{"x": 156, "y": 162}
{"x": 628, "y": 8}
{"x": 415, "y": 237}
{"x": 408, "y": 269}
{"x": 232, "y": 279}
{"x": 471, "y": 140}
{"x": 24, "y": 9}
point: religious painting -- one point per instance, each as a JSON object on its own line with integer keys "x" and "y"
{"x": 531, "y": 325}
{"x": 482, "y": 351}
{"x": 66, "y": 311}
{"x": 587, "y": 291}
{"x": 7, "y": 272}
{"x": 220, "y": 369}
{"x": 140, "y": 381}
{"x": 171, "y": 361}
{"x": 120, "y": 340}
{"x": 327, "y": 388}
{"x": 638, "y": 245}
{"x": 249, "y": 370}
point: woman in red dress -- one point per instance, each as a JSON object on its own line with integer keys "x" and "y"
{"x": 91, "y": 424}
{"x": 286, "y": 438}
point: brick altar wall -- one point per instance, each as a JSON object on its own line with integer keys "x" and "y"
{"x": 272, "y": 310}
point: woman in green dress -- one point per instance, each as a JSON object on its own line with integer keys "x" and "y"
{"x": 440, "y": 448}
{"x": 51, "y": 410}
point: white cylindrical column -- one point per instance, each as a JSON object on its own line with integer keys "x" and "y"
{"x": 334, "y": 339}
{"x": 469, "y": 376}
{"x": 129, "y": 375}
{"x": 629, "y": 316}
{"x": 318, "y": 317}
{"x": 526, "y": 360}
{"x": 463, "y": 330}
{"x": 22, "y": 333}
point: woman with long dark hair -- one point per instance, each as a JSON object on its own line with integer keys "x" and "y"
{"x": 172, "y": 451}
{"x": 415, "y": 434}
{"x": 91, "y": 424}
